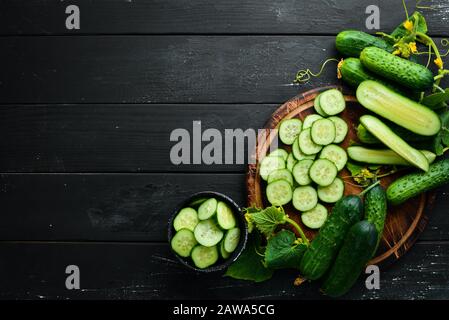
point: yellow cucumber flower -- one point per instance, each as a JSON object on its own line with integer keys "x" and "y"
{"x": 438, "y": 62}
{"x": 412, "y": 46}
{"x": 408, "y": 25}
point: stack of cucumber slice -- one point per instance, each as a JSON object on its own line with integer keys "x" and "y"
{"x": 308, "y": 174}
{"x": 206, "y": 233}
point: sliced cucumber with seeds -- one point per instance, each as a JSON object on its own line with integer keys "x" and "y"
{"x": 301, "y": 172}
{"x": 289, "y": 130}
{"x": 279, "y": 153}
{"x": 341, "y": 129}
{"x": 309, "y": 120}
{"x": 187, "y": 218}
{"x": 231, "y": 240}
{"x": 305, "y": 198}
{"x": 183, "y": 242}
{"x": 207, "y": 209}
{"x": 306, "y": 144}
{"x": 315, "y": 218}
{"x": 291, "y": 161}
{"x": 323, "y": 132}
{"x": 207, "y": 233}
{"x": 317, "y": 106}
{"x": 333, "y": 192}
{"x": 332, "y": 102}
{"x": 335, "y": 154}
{"x": 323, "y": 172}
{"x": 204, "y": 257}
{"x": 281, "y": 174}
{"x": 270, "y": 164}
{"x": 223, "y": 252}
{"x": 225, "y": 216}
{"x": 279, "y": 193}
{"x": 298, "y": 154}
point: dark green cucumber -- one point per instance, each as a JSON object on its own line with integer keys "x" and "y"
{"x": 324, "y": 247}
{"x": 376, "y": 210}
{"x": 404, "y": 72}
{"x": 353, "y": 73}
{"x": 366, "y": 137}
{"x": 356, "y": 251}
{"x": 351, "y": 43}
{"x": 414, "y": 184}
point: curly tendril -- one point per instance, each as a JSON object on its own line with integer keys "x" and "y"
{"x": 303, "y": 76}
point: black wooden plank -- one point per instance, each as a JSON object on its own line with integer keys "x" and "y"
{"x": 112, "y": 138}
{"x": 102, "y": 207}
{"x": 152, "y": 69}
{"x": 205, "y": 16}
{"x": 150, "y": 271}
{"x": 123, "y": 207}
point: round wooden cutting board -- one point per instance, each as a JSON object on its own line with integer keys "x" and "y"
{"x": 404, "y": 223}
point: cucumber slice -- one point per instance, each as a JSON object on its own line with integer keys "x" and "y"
{"x": 187, "y": 218}
{"x": 183, "y": 242}
{"x": 306, "y": 144}
{"x": 207, "y": 209}
{"x": 323, "y": 172}
{"x": 301, "y": 172}
{"x": 281, "y": 174}
{"x": 204, "y": 257}
{"x": 333, "y": 192}
{"x": 291, "y": 161}
{"x": 323, "y": 132}
{"x": 316, "y": 105}
{"x": 231, "y": 240}
{"x": 289, "y": 130}
{"x": 335, "y": 154}
{"x": 305, "y": 198}
{"x": 332, "y": 102}
{"x": 279, "y": 193}
{"x": 341, "y": 129}
{"x": 207, "y": 233}
{"x": 298, "y": 154}
{"x": 315, "y": 218}
{"x": 225, "y": 216}
{"x": 279, "y": 153}
{"x": 223, "y": 252}
{"x": 310, "y": 119}
{"x": 197, "y": 202}
{"x": 383, "y": 156}
{"x": 270, "y": 164}
{"x": 394, "y": 142}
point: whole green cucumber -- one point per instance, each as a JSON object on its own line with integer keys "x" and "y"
{"x": 324, "y": 247}
{"x": 355, "y": 253}
{"x": 353, "y": 73}
{"x": 351, "y": 43}
{"x": 414, "y": 184}
{"x": 376, "y": 210}
{"x": 404, "y": 72}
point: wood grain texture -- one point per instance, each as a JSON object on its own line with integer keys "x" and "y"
{"x": 123, "y": 207}
{"x": 403, "y": 224}
{"x": 150, "y": 271}
{"x": 205, "y": 16}
{"x": 112, "y": 138}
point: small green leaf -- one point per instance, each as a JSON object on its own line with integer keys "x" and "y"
{"x": 435, "y": 101}
{"x": 441, "y": 140}
{"x": 249, "y": 266}
{"x": 400, "y": 31}
{"x": 267, "y": 220}
{"x": 283, "y": 251}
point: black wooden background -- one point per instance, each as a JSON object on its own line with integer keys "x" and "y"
{"x": 85, "y": 119}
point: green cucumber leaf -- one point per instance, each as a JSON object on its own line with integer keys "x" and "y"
{"x": 435, "y": 100}
{"x": 400, "y": 31}
{"x": 441, "y": 140}
{"x": 283, "y": 251}
{"x": 267, "y": 220}
{"x": 249, "y": 266}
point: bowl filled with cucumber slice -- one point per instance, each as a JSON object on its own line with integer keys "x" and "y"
{"x": 207, "y": 231}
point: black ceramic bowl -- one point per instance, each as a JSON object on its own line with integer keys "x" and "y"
{"x": 221, "y": 264}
